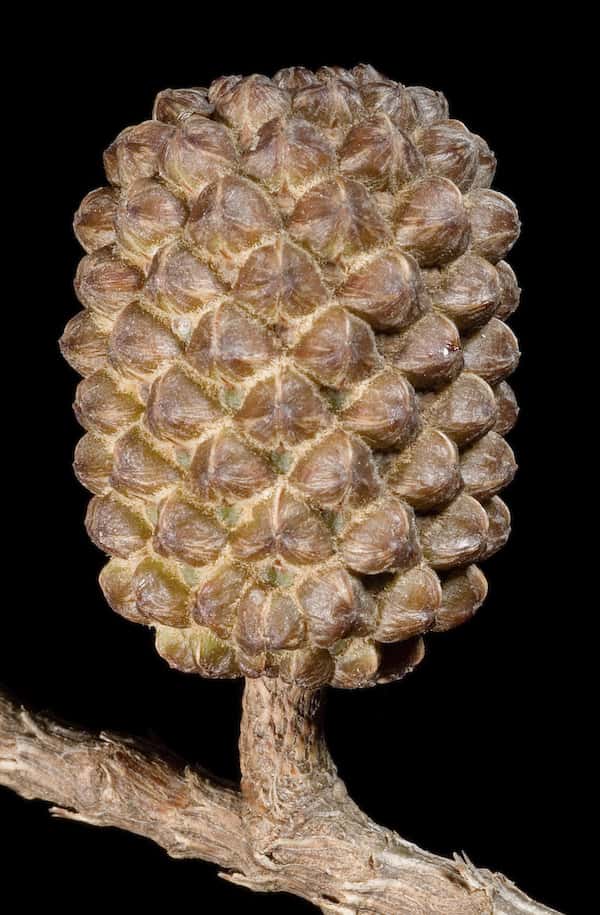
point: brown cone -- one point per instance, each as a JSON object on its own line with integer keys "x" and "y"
{"x": 294, "y": 351}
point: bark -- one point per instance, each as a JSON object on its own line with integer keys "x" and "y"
{"x": 291, "y": 827}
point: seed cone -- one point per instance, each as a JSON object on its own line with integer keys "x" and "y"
{"x": 294, "y": 357}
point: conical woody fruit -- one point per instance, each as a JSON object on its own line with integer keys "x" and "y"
{"x": 294, "y": 353}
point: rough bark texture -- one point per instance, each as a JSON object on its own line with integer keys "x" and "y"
{"x": 291, "y": 828}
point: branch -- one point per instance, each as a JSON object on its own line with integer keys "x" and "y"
{"x": 292, "y": 827}
{"x": 115, "y": 781}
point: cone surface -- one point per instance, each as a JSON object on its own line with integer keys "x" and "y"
{"x": 294, "y": 352}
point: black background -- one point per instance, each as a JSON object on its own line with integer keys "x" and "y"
{"x": 478, "y": 750}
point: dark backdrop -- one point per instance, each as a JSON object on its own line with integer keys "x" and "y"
{"x": 477, "y": 750}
